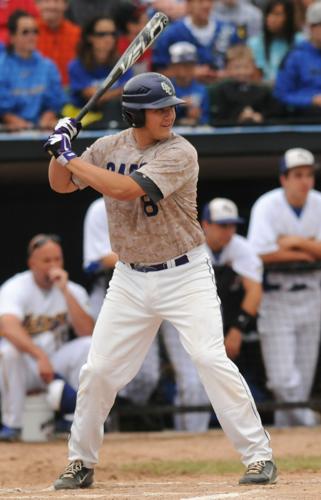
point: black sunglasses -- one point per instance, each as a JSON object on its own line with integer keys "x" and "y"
{"x": 26, "y": 31}
{"x": 40, "y": 240}
{"x": 101, "y": 34}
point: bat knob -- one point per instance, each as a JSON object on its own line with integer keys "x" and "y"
{"x": 162, "y": 17}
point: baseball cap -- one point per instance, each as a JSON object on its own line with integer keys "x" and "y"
{"x": 183, "y": 52}
{"x": 313, "y": 13}
{"x": 296, "y": 157}
{"x": 221, "y": 211}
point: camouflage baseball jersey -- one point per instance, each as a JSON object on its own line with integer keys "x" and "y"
{"x": 141, "y": 230}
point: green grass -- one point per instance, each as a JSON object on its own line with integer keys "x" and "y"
{"x": 206, "y": 467}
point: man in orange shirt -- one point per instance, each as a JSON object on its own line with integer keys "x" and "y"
{"x": 58, "y": 37}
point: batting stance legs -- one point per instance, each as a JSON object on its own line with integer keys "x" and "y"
{"x": 121, "y": 340}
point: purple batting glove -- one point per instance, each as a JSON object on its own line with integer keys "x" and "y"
{"x": 59, "y": 146}
{"x": 68, "y": 126}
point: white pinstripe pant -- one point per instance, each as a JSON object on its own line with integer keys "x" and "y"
{"x": 289, "y": 325}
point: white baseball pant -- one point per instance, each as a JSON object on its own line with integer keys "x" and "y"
{"x": 134, "y": 308}
{"x": 142, "y": 386}
{"x": 19, "y": 372}
{"x": 189, "y": 388}
{"x": 289, "y": 325}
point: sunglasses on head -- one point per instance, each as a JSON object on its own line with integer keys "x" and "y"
{"x": 101, "y": 34}
{"x": 29, "y": 31}
{"x": 40, "y": 240}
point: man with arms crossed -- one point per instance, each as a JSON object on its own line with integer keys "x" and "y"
{"x": 148, "y": 176}
{"x": 285, "y": 226}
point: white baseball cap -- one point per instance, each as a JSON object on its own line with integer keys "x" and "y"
{"x": 183, "y": 52}
{"x": 296, "y": 157}
{"x": 221, "y": 211}
{"x": 313, "y": 13}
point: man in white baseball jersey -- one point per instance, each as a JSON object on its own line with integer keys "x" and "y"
{"x": 37, "y": 308}
{"x": 285, "y": 227}
{"x": 98, "y": 258}
{"x": 99, "y": 261}
{"x": 233, "y": 256}
{"x": 148, "y": 176}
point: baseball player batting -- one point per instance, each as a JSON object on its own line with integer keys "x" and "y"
{"x": 148, "y": 176}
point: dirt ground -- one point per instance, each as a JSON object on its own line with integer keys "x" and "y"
{"x": 28, "y": 469}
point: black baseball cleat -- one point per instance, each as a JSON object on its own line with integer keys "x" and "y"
{"x": 261, "y": 472}
{"x": 75, "y": 476}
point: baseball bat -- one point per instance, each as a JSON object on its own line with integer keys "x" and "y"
{"x": 141, "y": 42}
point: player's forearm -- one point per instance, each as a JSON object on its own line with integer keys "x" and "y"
{"x": 311, "y": 246}
{"x": 120, "y": 187}
{"x": 284, "y": 256}
{"x": 109, "y": 261}
{"x": 60, "y": 178}
{"x": 15, "y": 333}
{"x": 81, "y": 321}
{"x": 252, "y": 297}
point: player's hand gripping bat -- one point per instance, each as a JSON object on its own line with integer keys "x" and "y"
{"x": 142, "y": 41}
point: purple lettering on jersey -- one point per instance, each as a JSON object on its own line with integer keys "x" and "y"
{"x": 133, "y": 167}
{"x": 122, "y": 168}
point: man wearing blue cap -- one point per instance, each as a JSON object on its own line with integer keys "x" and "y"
{"x": 219, "y": 221}
{"x": 285, "y": 227}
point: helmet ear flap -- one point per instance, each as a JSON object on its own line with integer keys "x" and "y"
{"x": 134, "y": 117}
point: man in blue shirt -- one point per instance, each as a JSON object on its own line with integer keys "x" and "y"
{"x": 211, "y": 38}
{"x": 298, "y": 83}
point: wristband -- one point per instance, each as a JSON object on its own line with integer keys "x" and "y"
{"x": 65, "y": 157}
{"x": 244, "y": 321}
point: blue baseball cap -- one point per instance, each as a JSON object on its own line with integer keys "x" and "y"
{"x": 221, "y": 211}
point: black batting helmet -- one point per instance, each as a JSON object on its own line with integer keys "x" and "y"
{"x": 146, "y": 91}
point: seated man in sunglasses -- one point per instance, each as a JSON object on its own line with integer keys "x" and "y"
{"x": 37, "y": 309}
{"x": 31, "y": 94}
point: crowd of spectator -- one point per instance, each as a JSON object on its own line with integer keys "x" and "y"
{"x": 233, "y": 61}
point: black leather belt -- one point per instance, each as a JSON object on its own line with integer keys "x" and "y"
{"x": 294, "y": 288}
{"x": 298, "y": 287}
{"x": 160, "y": 267}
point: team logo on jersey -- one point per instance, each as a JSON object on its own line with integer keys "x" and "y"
{"x": 167, "y": 88}
{"x": 42, "y": 323}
